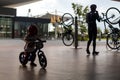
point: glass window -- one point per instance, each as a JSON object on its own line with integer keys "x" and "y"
{"x": 5, "y": 27}
{"x": 21, "y": 28}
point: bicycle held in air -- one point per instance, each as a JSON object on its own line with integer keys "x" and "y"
{"x": 111, "y": 17}
{"x": 67, "y": 22}
{"x": 41, "y": 56}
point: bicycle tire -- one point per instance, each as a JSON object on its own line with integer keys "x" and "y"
{"x": 68, "y": 39}
{"x": 42, "y": 59}
{"x": 113, "y": 41}
{"x": 23, "y": 60}
{"x": 67, "y": 19}
{"x": 113, "y": 11}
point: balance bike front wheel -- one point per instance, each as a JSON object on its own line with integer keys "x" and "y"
{"x": 42, "y": 59}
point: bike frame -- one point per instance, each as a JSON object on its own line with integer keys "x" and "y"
{"x": 106, "y": 21}
{"x": 67, "y": 30}
{"x": 113, "y": 31}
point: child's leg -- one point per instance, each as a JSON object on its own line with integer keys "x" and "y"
{"x": 26, "y": 53}
{"x": 33, "y": 57}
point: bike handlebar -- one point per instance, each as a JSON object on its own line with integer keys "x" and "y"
{"x": 103, "y": 14}
{"x": 43, "y": 41}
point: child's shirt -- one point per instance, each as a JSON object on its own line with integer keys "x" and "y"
{"x": 30, "y": 44}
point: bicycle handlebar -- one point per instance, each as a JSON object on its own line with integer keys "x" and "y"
{"x": 43, "y": 41}
{"x": 103, "y": 14}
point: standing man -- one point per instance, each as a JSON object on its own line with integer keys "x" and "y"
{"x": 91, "y": 18}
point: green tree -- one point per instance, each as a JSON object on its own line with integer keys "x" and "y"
{"x": 81, "y": 12}
{"x": 99, "y": 33}
{"x": 106, "y": 31}
{"x": 99, "y": 30}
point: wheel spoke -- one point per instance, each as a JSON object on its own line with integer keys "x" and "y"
{"x": 68, "y": 39}
{"x": 114, "y": 13}
{"x": 113, "y": 41}
{"x": 42, "y": 59}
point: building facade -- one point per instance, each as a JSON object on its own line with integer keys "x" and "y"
{"x": 12, "y": 26}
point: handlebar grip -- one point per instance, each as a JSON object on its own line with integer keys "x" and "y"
{"x": 43, "y": 40}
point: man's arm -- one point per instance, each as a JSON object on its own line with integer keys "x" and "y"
{"x": 97, "y": 16}
{"x": 87, "y": 17}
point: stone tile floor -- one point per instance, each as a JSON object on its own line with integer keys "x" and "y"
{"x": 64, "y": 63}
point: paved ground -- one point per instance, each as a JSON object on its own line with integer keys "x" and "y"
{"x": 64, "y": 63}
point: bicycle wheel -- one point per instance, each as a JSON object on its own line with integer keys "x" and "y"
{"x": 68, "y": 39}
{"x": 113, "y": 41}
{"x": 42, "y": 59}
{"x": 23, "y": 60}
{"x": 113, "y": 15}
{"x": 67, "y": 19}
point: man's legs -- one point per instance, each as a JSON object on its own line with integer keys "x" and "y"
{"x": 94, "y": 44}
{"x": 89, "y": 42}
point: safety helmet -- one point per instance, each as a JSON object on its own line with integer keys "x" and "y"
{"x": 93, "y": 7}
{"x": 32, "y": 30}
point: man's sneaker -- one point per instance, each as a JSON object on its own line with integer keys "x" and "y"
{"x": 88, "y": 52}
{"x": 33, "y": 64}
{"x": 95, "y": 53}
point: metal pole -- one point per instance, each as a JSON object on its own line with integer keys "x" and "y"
{"x": 56, "y": 25}
{"x": 76, "y": 33}
{"x": 13, "y": 28}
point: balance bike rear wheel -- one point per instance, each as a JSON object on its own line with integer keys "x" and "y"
{"x": 22, "y": 58}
